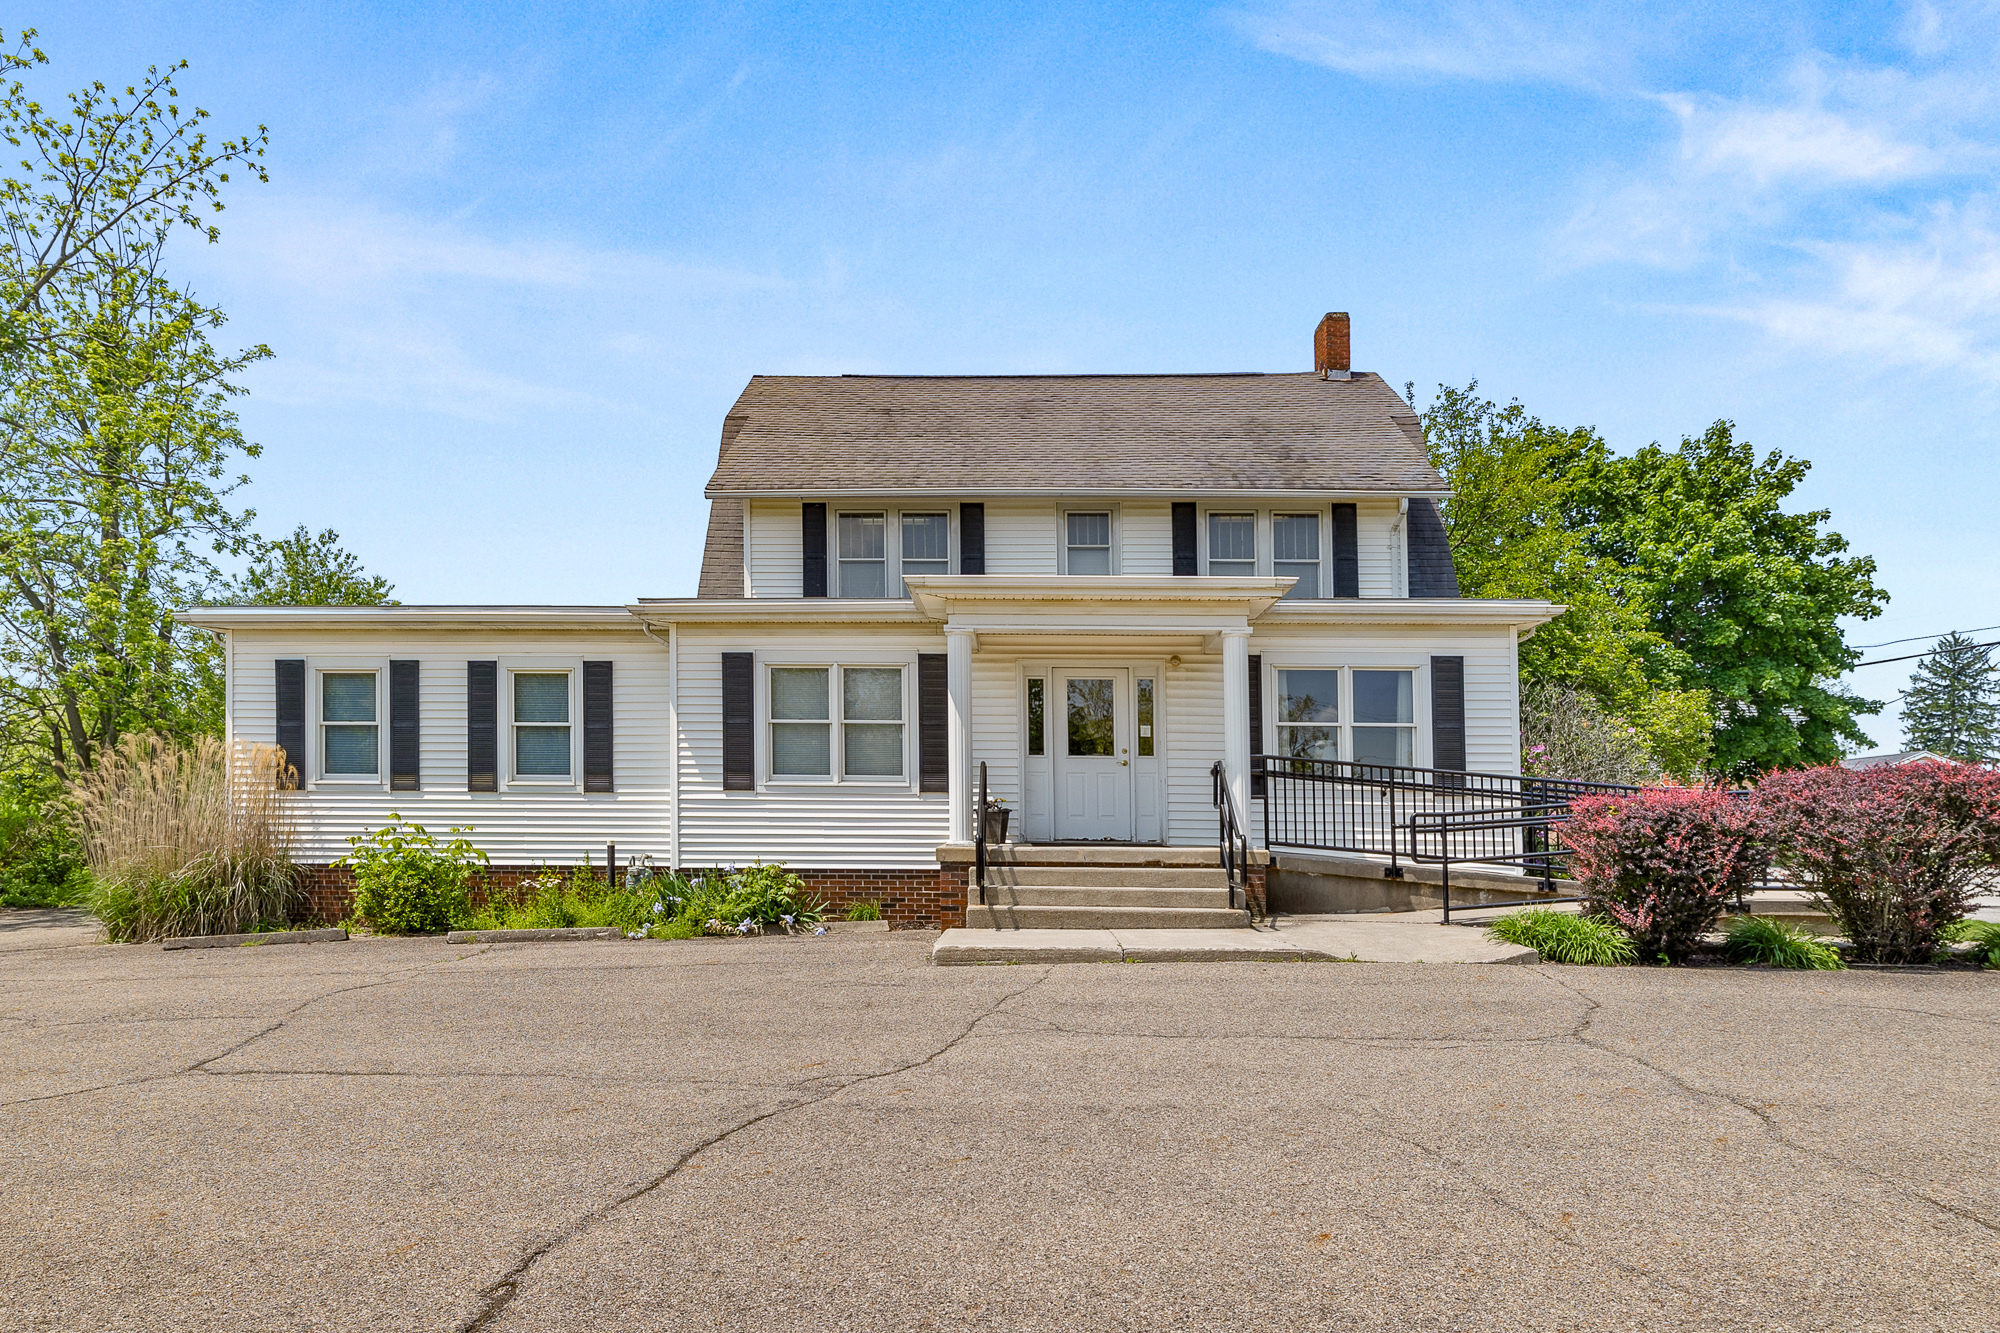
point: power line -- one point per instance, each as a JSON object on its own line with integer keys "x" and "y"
{"x": 1911, "y": 657}
{"x": 1919, "y": 638}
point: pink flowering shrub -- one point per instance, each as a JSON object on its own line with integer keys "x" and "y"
{"x": 1663, "y": 862}
{"x": 1894, "y": 854}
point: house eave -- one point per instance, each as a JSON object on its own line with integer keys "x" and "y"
{"x": 408, "y": 617}
{"x": 1255, "y": 493}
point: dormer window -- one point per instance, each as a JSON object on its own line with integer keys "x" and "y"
{"x": 1232, "y": 545}
{"x": 1087, "y": 543}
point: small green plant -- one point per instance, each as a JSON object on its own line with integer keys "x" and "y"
{"x": 1976, "y": 932}
{"x": 407, "y": 882}
{"x": 864, "y": 911}
{"x": 1564, "y": 937}
{"x": 1756, "y": 939}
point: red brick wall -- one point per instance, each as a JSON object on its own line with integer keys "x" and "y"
{"x": 910, "y": 899}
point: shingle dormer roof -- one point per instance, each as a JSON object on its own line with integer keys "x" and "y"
{"x": 1180, "y": 434}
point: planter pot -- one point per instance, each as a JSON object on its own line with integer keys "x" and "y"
{"x": 996, "y": 823}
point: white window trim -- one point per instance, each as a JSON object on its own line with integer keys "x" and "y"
{"x": 509, "y": 667}
{"x": 1266, "y": 544}
{"x": 892, "y": 543}
{"x": 1062, "y": 534}
{"x": 316, "y": 669}
{"x": 836, "y": 722}
{"x": 1420, "y": 708}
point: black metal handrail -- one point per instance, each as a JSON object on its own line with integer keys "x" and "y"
{"x": 1351, "y": 806}
{"x": 1234, "y": 842}
{"x": 979, "y": 838}
{"x": 1520, "y": 835}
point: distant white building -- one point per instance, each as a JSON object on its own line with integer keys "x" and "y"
{"x": 1900, "y": 757}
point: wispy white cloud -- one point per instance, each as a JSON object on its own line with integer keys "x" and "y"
{"x": 1486, "y": 40}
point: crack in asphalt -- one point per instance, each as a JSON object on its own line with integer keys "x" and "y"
{"x": 201, "y": 1066}
{"x": 494, "y": 1298}
{"x": 1769, "y": 1123}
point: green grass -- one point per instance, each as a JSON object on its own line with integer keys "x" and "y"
{"x": 1977, "y": 932}
{"x": 1756, "y": 939}
{"x": 1564, "y": 937}
{"x": 864, "y": 911}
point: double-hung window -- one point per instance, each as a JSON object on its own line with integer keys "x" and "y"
{"x": 926, "y": 545}
{"x": 1385, "y": 730}
{"x": 863, "y": 738}
{"x": 1309, "y": 714}
{"x": 1295, "y": 551}
{"x": 1087, "y": 543}
{"x": 541, "y": 726}
{"x": 350, "y": 730}
{"x": 1232, "y": 545}
{"x": 864, "y": 562}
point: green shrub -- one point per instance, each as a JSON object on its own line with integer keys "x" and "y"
{"x": 406, "y": 882}
{"x": 1755, "y": 939}
{"x": 1564, "y": 937}
{"x": 190, "y": 840}
{"x": 41, "y": 859}
{"x": 864, "y": 911}
{"x": 1977, "y": 932}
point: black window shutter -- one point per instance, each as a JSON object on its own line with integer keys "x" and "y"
{"x": 405, "y": 728}
{"x": 1256, "y": 725}
{"x": 1346, "y": 552}
{"x": 812, "y": 542}
{"x": 482, "y": 726}
{"x": 933, "y": 726}
{"x": 971, "y": 541}
{"x": 1448, "y": 713}
{"x": 597, "y": 726}
{"x": 291, "y": 685}
{"x": 1186, "y": 561}
{"x": 739, "y": 718}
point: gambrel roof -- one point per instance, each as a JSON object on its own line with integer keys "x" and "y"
{"x": 1023, "y": 434}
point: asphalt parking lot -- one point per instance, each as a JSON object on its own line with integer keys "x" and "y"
{"x": 833, "y": 1134}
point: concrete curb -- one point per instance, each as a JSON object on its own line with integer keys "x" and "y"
{"x": 552, "y": 935}
{"x": 964, "y": 947}
{"x": 853, "y": 927}
{"x": 261, "y": 938}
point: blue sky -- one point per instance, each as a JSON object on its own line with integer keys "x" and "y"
{"x": 516, "y": 260}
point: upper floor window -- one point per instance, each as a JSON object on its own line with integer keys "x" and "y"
{"x": 864, "y": 564}
{"x": 1232, "y": 545}
{"x": 1295, "y": 551}
{"x": 541, "y": 724}
{"x": 1087, "y": 543}
{"x": 926, "y": 545}
{"x": 350, "y": 742}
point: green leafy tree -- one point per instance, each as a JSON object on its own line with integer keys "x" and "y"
{"x": 118, "y": 446}
{"x": 308, "y": 570}
{"x": 1953, "y": 704}
{"x": 1748, "y": 596}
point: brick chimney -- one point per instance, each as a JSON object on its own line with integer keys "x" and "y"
{"x": 1330, "y": 344}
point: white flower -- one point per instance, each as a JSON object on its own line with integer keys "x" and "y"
{"x": 819, "y": 930}
{"x": 787, "y": 920}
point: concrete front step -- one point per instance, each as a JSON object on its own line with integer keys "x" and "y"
{"x": 1001, "y": 917}
{"x": 1087, "y": 854}
{"x": 1098, "y": 895}
{"x": 1111, "y": 877}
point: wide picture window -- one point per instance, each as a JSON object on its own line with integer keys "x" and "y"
{"x": 868, "y": 723}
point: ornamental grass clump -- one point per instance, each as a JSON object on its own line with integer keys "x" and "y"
{"x": 1565, "y": 937}
{"x": 181, "y": 841}
{"x": 1895, "y": 854}
{"x": 1756, "y": 939}
{"x": 1984, "y": 934}
{"x": 1663, "y": 863}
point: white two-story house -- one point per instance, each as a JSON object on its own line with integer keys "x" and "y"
{"x": 1092, "y": 587}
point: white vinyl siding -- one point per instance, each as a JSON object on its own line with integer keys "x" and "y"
{"x": 1379, "y": 547}
{"x": 559, "y": 824}
{"x": 773, "y": 548}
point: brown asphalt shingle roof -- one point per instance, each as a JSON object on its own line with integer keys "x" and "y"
{"x": 856, "y": 434}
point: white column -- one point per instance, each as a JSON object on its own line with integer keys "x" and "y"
{"x": 1236, "y": 717}
{"x": 958, "y": 713}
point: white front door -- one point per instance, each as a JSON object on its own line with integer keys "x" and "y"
{"x": 1093, "y": 755}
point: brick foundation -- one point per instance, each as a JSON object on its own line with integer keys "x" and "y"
{"x": 924, "y": 899}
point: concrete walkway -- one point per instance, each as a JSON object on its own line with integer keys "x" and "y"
{"x": 1377, "y": 937}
